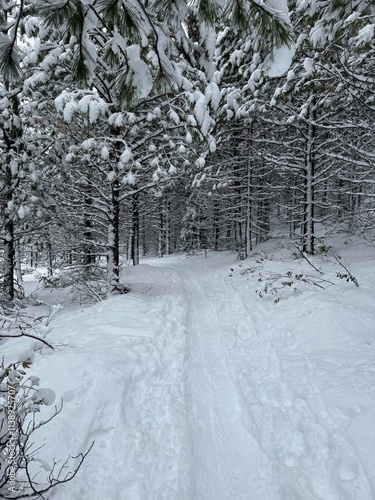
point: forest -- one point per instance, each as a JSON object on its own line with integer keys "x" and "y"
{"x": 124, "y": 135}
{"x": 135, "y": 129}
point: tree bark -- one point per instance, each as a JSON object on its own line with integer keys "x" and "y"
{"x": 9, "y": 188}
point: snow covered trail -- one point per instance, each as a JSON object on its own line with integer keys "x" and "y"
{"x": 214, "y": 457}
{"x": 228, "y": 463}
{"x": 148, "y": 378}
{"x": 194, "y": 388}
{"x": 272, "y": 413}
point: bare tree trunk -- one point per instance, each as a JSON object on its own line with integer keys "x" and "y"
{"x": 167, "y": 230}
{"x": 10, "y": 184}
{"x": 89, "y": 257}
{"x": 144, "y": 237}
{"x": 238, "y": 226}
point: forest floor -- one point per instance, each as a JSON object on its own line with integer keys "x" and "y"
{"x": 219, "y": 379}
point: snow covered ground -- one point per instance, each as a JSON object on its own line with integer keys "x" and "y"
{"x": 219, "y": 379}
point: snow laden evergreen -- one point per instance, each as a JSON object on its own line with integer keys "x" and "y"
{"x": 262, "y": 120}
{"x": 299, "y": 126}
{"x": 23, "y": 144}
{"x": 128, "y": 153}
{"x": 140, "y": 77}
{"x": 139, "y": 138}
{"x": 104, "y": 58}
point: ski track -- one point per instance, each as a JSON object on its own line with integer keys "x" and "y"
{"x": 217, "y": 398}
{"x": 228, "y": 461}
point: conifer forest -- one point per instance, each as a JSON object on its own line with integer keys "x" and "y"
{"x": 237, "y": 135}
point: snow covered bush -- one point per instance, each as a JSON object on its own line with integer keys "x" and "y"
{"x": 23, "y": 472}
{"x": 284, "y": 284}
{"x": 86, "y": 284}
{"x": 20, "y": 397}
{"x": 288, "y": 283}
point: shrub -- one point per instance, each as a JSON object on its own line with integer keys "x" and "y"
{"x": 23, "y": 473}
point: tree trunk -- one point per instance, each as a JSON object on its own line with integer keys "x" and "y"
{"x": 216, "y": 227}
{"x": 144, "y": 237}
{"x": 161, "y": 232}
{"x": 8, "y": 283}
{"x": 10, "y": 184}
{"x": 135, "y": 230}
{"x": 248, "y": 235}
{"x": 167, "y": 230}
{"x": 308, "y": 245}
{"x": 18, "y": 263}
{"x": 238, "y": 227}
{"x": 89, "y": 257}
{"x": 49, "y": 258}
{"x": 34, "y": 257}
{"x": 113, "y": 262}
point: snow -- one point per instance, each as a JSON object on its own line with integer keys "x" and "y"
{"x": 308, "y": 64}
{"x": 195, "y": 387}
{"x": 23, "y": 211}
{"x": 126, "y": 156}
{"x": 278, "y": 63}
{"x": 104, "y": 153}
{"x": 27, "y": 357}
{"x": 4, "y": 103}
{"x": 44, "y": 396}
{"x": 281, "y": 8}
{"x": 116, "y": 119}
{"x": 70, "y": 108}
{"x": 318, "y": 36}
{"x": 93, "y": 106}
{"x": 118, "y": 43}
{"x": 280, "y": 59}
{"x": 130, "y": 179}
{"x": 141, "y": 79}
{"x": 174, "y": 117}
{"x": 352, "y": 18}
{"x": 200, "y": 163}
{"x": 365, "y": 35}
{"x": 200, "y": 108}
